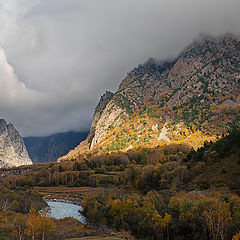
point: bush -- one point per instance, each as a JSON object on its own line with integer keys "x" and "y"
{"x": 142, "y": 157}
{"x": 224, "y": 170}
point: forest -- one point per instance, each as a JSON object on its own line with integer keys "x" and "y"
{"x": 164, "y": 193}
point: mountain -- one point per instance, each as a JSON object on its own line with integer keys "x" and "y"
{"x": 192, "y": 99}
{"x": 49, "y": 149}
{"x": 12, "y": 149}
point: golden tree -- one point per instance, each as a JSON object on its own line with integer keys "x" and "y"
{"x": 46, "y": 226}
{"x": 39, "y": 225}
{"x": 217, "y": 217}
{"x": 236, "y": 236}
{"x": 157, "y": 225}
{"x": 32, "y": 224}
{"x": 20, "y": 226}
{"x": 166, "y": 223}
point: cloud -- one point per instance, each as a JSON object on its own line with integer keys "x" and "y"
{"x": 65, "y": 54}
{"x": 16, "y": 32}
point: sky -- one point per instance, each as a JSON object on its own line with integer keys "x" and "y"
{"x": 57, "y": 57}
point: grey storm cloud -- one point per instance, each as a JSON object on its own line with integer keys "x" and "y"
{"x": 58, "y": 57}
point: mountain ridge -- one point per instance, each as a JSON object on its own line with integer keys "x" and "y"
{"x": 50, "y": 148}
{"x": 199, "y": 90}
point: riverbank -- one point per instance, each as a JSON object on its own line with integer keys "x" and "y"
{"x": 64, "y": 202}
{"x": 72, "y": 195}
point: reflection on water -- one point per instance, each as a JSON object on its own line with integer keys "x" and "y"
{"x": 61, "y": 210}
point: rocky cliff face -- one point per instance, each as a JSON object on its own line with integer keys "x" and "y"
{"x": 192, "y": 90}
{"x": 104, "y": 100}
{"x": 12, "y": 149}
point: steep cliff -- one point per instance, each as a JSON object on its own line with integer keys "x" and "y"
{"x": 192, "y": 98}
{"x": 99, "y": 111}
{"x": 12, "y": 149}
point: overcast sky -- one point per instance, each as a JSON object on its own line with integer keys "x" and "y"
{"x": 57, "y": 57}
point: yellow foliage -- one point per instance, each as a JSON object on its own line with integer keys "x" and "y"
{"x": 39, "y": 225}
{"x": 166, "y": 220}
{"x": 214, "y": 213}
{"x": 32, "y": 223}
{"x": 236, "y": 236}
{"x": 107, "y": 135}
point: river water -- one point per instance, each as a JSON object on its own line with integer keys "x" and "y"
{"x": 61, "y": 210}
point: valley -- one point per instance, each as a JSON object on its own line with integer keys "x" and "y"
{"x": 161, "y": 161}
{"x": 112, "y": 191}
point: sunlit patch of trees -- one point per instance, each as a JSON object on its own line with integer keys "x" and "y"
{"x": 193, "y": 121}
{"x": 148, "y": 192}
{"x": 18, "y": 217}
{"x": 194, "y": 215}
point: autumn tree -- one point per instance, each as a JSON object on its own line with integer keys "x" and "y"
{"x": 157, "y": 225}
{"x": 236, "y": 236}
{"x": 46, "y": 226}
{"x": 20, "y": 226}
{"x": 217, "y": 217}
{"x": 32, "y": 224}
{"x": 39, "y": 225}
{"x": 234, "y": 203}
{"x": 166, "y": 223}
{"x": 209, "y": 211}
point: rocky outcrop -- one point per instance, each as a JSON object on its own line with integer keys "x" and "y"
{"x": 209, "y": 67}
{"x": 206, "y": 73}
{"x": 104, "y": 100}
{"x": 12, "y": 149}
{"x": 110, "y": 117}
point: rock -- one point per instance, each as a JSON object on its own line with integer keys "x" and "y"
{"x": 154, "y": 79}
{"x": 104, "y": 100}
{"x": 206, "y": 71}
{"x": 12, "y": 149}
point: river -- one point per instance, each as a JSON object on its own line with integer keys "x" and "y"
{"x": 60, "y": 210}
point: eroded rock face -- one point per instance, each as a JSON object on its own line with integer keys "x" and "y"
{"x": 208, "y": 66}
{"x": 12, "y": 149}
{"x": 110, "y": 117}
{"x": 104, "y": 100}
{"x": 207, "y": 71}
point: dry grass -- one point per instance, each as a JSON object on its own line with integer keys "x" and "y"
{"x": 220, "y": 173}
{"x": 63, "y": 189}
{"x": 95, "y": 238}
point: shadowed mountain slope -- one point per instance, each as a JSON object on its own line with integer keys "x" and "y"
{"x": 49, "y": 149}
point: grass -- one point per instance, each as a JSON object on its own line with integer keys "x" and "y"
{"x": 223, "y": 172}
{"x": 70, "y": 190}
